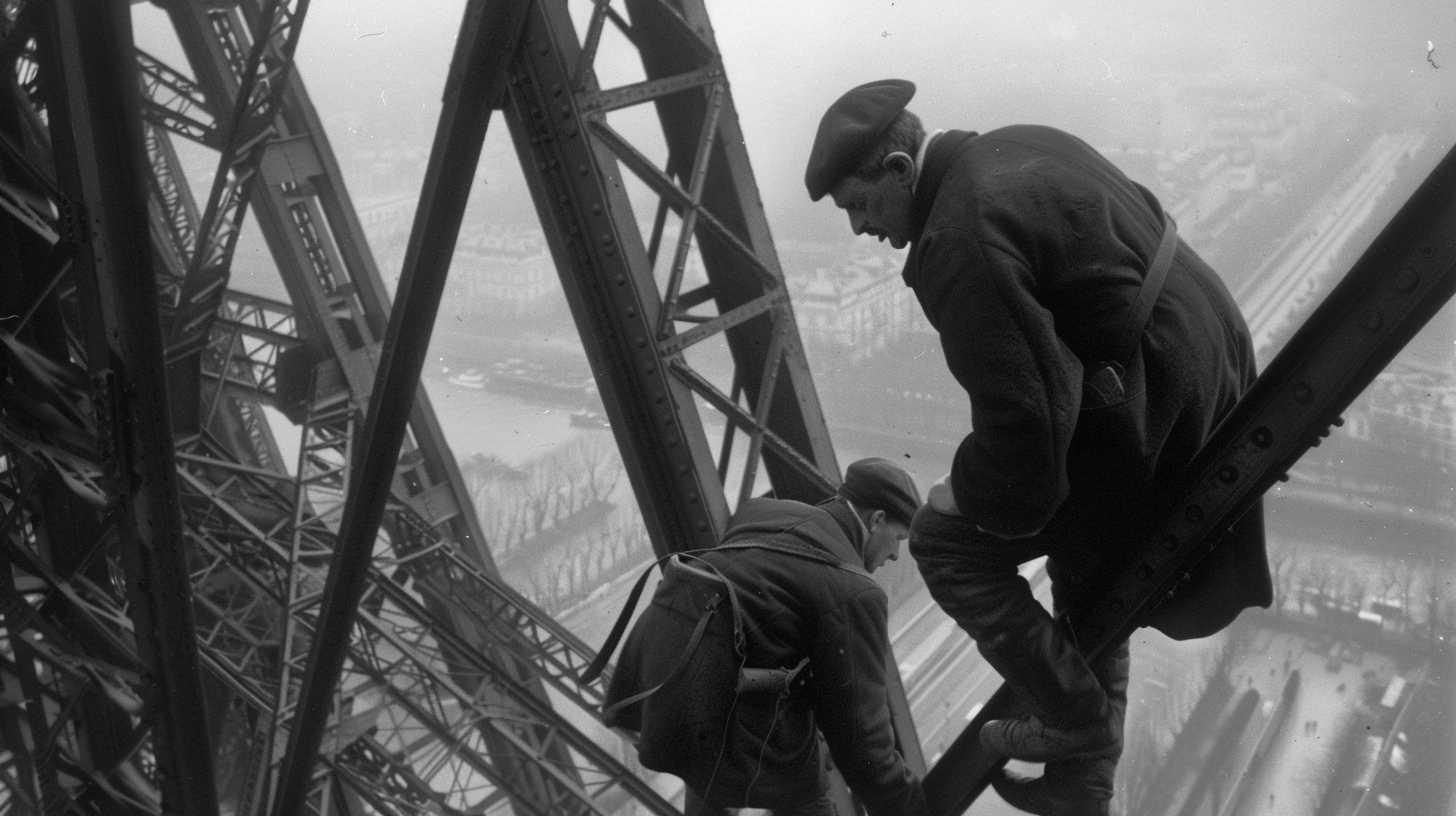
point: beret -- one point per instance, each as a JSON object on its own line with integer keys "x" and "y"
{"x": 851, "y": 127}
{"x": 878, "y": 484}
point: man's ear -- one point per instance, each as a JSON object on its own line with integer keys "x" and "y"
{"x": 899, "y": 163}
{"x": 877, "y": 517}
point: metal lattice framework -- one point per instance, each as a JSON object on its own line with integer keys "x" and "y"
{"x": 334, "y": 626}
{"x": 441, "y": 703}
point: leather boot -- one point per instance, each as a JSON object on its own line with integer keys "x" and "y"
{"x": 1076, "y": 787}
{"x": 1071, "y": 713}
{"x": 1068, "y": 787}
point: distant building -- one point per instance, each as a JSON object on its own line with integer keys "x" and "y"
{"x": 855, "y": 307}
{"x": 1229, "y": 139}
{"x": 503, "y": 273}
{"x": 1397, "y": 443}
{"x": 385, "y": 169}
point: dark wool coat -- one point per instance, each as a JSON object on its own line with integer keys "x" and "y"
{"x": 829, "y": 610}
{"x": 1031, "y": 248}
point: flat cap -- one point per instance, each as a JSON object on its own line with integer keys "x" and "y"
{"x": 850, "y": 128}
{"x": 879, "y": 485}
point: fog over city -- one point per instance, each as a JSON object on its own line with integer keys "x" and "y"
{"x": 1282, "y": 136}
{"x": 1086, "y": 67}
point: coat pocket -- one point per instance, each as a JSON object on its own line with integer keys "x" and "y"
{"x": 1107, "y": 448}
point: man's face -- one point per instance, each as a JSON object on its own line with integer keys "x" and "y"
{"x": 880, "y": 207}
{"x": 884, "y": 540}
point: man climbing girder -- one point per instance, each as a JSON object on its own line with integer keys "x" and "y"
{"x": 1099, "y": 352}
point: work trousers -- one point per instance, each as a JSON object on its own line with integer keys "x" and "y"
{"x": 973, "y": 576}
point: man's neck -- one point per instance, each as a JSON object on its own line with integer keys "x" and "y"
{"x": 848, "y": 519}
{"x": 920, "y": 155}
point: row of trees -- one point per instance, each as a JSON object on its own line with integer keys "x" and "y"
{"x": 1306, "y": 580}
{"x": 567, "y": 575}
{"x": 517, "y": 505}
{"x": 550, "y": 522}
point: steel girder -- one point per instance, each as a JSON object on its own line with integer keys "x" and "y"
{"x": 407, "y": 631}
{"x": 86, "y": 65}
{"x": 306, "y": 218}
{"x": 640, "y": 321}
{"x": 487, "y": 38}
{"x": 1400, "y": 282}
{"x": 54, "y": 559}
{"x": 253, "y": 332}
{"x": 408, "y": 635}
{"x": 238, "y": 632}
{"x": 256, "y": 91}
{"x": 285, "y": 207}
{"x": 339, "y": 302}
{"x": 174, "y": 102}
{"x": 643, "y": 315}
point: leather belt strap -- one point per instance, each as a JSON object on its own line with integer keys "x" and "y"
{"x": 751, "y": 679}
{"x": 1142, "y": 308}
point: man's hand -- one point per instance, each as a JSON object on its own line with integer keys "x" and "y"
{"x": 941, "y": 499}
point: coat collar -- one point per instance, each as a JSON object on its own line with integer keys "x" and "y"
{"x": 844, "y": 515}
{"x": 939, "y": 154}
{"x": 938, "y": 157}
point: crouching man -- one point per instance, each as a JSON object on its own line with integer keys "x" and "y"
{"x": 756, "y": 654}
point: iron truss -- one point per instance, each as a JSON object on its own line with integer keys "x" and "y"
{"x": 170, "y": 581}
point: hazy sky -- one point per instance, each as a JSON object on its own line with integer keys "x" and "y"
{"x": 978, "y": 64}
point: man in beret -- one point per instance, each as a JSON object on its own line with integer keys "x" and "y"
{"x": 800, "y": 575}
{"x": 1098, "y": 351}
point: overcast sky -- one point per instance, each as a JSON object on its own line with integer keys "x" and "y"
{"x": 977, "y": 64}
{"x": 374, "y": 70}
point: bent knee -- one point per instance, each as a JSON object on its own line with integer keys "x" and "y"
{"x": 931, "y": 530}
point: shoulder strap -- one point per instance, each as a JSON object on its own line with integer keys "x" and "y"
{"x": 677, "y": 667}
{"x": 594, "y": 669}
{"x": 1142, "y": 308}
{"x": 599, "y": 663}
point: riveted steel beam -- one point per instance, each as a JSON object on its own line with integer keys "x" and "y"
{"x": 488, "y": 40}
{"x": 677, "y": 38}
{"x": 92, "y": 90}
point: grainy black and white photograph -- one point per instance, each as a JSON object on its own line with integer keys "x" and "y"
{"x": 727, "y": 408}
